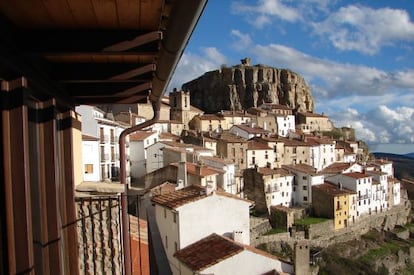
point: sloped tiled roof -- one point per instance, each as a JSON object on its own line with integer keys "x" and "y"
{"x": 332, "y": 189}
{"x": 140, "y": 135}
{"x": 336, "y": 168}
{"x": 256, "y": 145}
{"x": 212, "y": 250}
{"x": 301, "y": 167}
{"x": 89, "y": 138}
{"x": 208, "y": 251}
{"x": 189, "y": 194}
{"x": 274, "y": 171}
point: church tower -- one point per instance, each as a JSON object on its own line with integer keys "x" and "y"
{"x": 180, "y": 106}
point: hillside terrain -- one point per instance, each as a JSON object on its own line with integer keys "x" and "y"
{"x": 403, "y": 164}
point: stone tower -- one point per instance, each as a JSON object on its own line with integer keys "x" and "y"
{"x": 180, "y": 106}
{"x": 301, "y": 257}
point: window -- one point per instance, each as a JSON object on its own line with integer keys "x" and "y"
{"x": 165, "y": 213}
{"x": 283, "y": 194}
{"x": 305, "y": 198}
{"x": 305, "y": 187}
{"x": 88, "y": 168}
{"x": 175, "y": 247}
{"x": 175, "y": 217}
{"x": 253, "y": 160}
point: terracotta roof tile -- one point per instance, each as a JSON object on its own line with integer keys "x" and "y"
{"x": 274, "y": 171}
{"x": 208, "y": 251}
{"x": 251, "y": 130}
{"x": 140, "y": 135}
{"x": 336, "y": 168}
{"x": 301, "y": 167}
{"x": 332, "y": 189}
{"x": 255, "y": 145}
{"x": 181, "y": 197}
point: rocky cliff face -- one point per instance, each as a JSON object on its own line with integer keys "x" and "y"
{"x": 244, "y": 86}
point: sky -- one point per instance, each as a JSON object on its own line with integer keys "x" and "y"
{"x": 356, "y": 56}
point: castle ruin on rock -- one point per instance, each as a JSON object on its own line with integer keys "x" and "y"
{"x": 244, "y": 85}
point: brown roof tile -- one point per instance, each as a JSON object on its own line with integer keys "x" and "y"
{"x": 208, "y": 251}
{"x": 140, "y": 135}
{"x": 356, "y": 175}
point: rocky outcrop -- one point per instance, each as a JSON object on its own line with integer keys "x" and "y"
{"x": 244, "y": 86}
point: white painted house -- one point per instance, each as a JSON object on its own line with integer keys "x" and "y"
{"x": 90, "y": 158}
{"x": 226, "y": 256}
{"x": 194, "y": 212}
{"x": 97, "y": 123}
{"x": 248, "y": 131}
{"x": 305, "y": 177}
{"x": 225, "y": 181}
{"x": 360, "y": 183}
{"x": 138, "y": 143}
{"x": 259, "y": 154}
{"x": 278, "y": 186}
{"x": 285, "y": 125}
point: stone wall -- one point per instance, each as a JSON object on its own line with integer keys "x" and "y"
{"x": 323, "y": 234}
{"x": 99, "y": 235}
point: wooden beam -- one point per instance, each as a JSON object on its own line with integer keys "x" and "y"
{"x": 136, "y": 42}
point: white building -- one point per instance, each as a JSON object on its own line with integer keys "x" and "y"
{"x": 138, "y": 143}
{"x": 96, "y": 123}
{"x": 226, "y": 256}
{"x": 305, "y": 177}
{"x": 379, "y": 191}
{"x": 285, "y": 125}
{"x": 225, "y": 181}
{"x": 194, "y": 212}
{"x": 248, "y": 131}
{"x": 259, "y": 154}
{"x": 361, "y": 184}
{"x": 278, "y": 186}
{"x": 90, "y": 158}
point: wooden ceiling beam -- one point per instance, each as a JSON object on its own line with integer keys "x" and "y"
{"x": 60, "y": 41}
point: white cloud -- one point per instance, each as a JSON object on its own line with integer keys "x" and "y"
{"x": 380, "y": 124}
{"x": 243, "y": 40}
{"x": 337, "y": 79}
{"x": 192, "y": 66}
{"x": 265, "y": 11}
{"x": 365, "y": 29}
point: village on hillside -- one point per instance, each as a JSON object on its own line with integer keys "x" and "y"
{"x": 216, "y": 182}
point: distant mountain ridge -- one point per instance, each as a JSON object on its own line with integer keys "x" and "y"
{"x": 403, "y": 164}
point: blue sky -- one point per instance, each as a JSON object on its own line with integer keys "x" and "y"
{"x": 357, "y": 56}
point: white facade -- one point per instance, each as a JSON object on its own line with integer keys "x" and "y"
{"x": 323, "y": 155}
{"x": 379, "y": 200}
{"x": 285, "y": 124}
{"x": 226, "y": 181}
{"x": 139, "y": 142}
{"x": 279, "y": 190}
{"x": 261, "y": 157}
{"x": 95, "y": 124}
{"x": 362, "y": 185}
{"x": 90, "y": 160}
{"x": 196, "y": 219}
{"x": 303, "y": 181}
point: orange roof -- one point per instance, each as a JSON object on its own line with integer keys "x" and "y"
{"x": 208, "y": 252}
{"x": 212, "y": 250}
{"x": 332, "y": 189}
{"x": 301, "y": 167}
{"x": 140, "y": 135}
{"x": 255, "y": 145}
{"x": 189, "y": 194}
{"x": 251, "y": 130}
{"x": 275, "y": 171}
{"x": 336, "y": 168}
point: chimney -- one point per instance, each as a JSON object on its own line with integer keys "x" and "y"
{"x": 238, "y": 236}
{"x": 181, "y": 175}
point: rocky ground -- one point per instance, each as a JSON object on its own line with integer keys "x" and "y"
{"x": 374, "y": 253}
